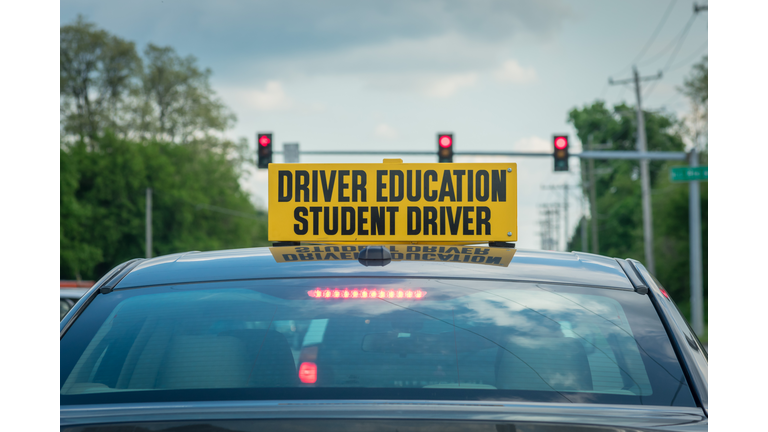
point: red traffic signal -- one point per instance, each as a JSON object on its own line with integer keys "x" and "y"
{"x": 561, "y": 152}
{"x": 445, "y": 147}
{"x": 264, "y": 149}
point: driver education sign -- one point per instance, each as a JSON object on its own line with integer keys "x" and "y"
{"x": 393, "y": 202}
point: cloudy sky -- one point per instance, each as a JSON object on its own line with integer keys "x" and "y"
{"x": 501, "y": 75}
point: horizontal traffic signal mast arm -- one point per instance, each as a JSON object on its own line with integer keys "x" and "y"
{"x": 610, "y": 154}
{"x": 619, "y": 154}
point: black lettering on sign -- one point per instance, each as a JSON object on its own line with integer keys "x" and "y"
{"x": 481, "y": 251}
{"x": 442, "y": 220}
{"x": 343, "y": 186}
{"x": 412, "y": 256}
{"x": 349, "y": 248}
{"x": 284, "y": 186}
{"x": 470, "y": 187}
{"x": 493, "y": 260}
{"x": 359, "y": 180}
{"x": 315, "y": 219}
{"x": 483, "y": 220}
{"x": 429, "y": 249}
{"x": 446, "y": 189}
{"x": 377, "y": 221}
{"x": 467, "y": 221}
{"x": 426, "y": 256}
{"x": 299, "y": 213}
{"x": 347, "y": 223}
{"x": 499, "y": 186}
{"x": 459, "y": 175}
{"x": 397, "y": 256}
{"x": 290, "y": 257}
{"x": 395, "y": 185}
{"x": 307, "y": 257}
{"x": 430, "y": 220}
{"x": 453, "y": 220}
{"x": 334, "y": 219}
{"x": 429, "y": 195}
{"x": 328, "y": 187}
{"x": 302, "y": 249}
{"x": 392, "y": 211}
{"x": 478, "y": 259}
{"x": 413, "y": 249}
{"x": 302, "y": 185}
{"x": 414, "y": 220}
{"x": 414, "y": 193}
{"x": 380, "y": 186}
{"x": 481, "y": 185}
{"x": 314, "y": 186}
{"x": 362, "y": 220}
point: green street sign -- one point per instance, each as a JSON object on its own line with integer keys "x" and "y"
{"x": 686, "y": 174}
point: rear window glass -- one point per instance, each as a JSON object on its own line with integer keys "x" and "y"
{"x": 358, "y": 339}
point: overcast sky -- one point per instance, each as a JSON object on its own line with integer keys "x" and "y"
{"x": 501, "y": 75}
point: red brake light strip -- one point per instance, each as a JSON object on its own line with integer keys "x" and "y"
{"x": 365, "y": 293}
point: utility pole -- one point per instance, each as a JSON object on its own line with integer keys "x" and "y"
{"x": 148, "y": 230}
{"x": 645, "y": 181}
{"x": 593, "y": 199}
{"x": 697, "y": 8}
{"x": 550, "y": 226}
{"x": 694, "y": 224}
{"x": 564, "y": 187}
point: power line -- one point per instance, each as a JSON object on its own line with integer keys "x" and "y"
{"x": 648, "y": 44}
{"x": 680, "y": 41}
{"x": 656, "y": 32}
{"x": 691, "y": 57}
{"x": 670, "y": 45}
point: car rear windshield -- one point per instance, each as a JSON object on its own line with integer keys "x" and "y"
{"x": 387, "y": 338}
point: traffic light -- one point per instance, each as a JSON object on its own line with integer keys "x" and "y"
{"x": 264, "y": 146}
{"x": 561, "y": 152}
{"x": 445, "y": 147}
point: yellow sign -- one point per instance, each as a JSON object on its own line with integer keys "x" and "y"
{"x": 495, "y": 256}
{"x": 393, "y": 202}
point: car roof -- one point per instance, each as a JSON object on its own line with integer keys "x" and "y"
{"x": 576, "y": 268}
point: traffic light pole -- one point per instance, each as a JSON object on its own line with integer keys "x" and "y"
{"x": 694, "y": 214}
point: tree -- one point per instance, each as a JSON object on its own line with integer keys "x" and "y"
{"x": 179, "y": 103}
{"x": 619, "y": 204}
{"x": 97, "y": 72}
{"x": 695, "y": 87}
{"x": 129, "y": 124}
{"x": 105, "y": 84}
{"x": 198, "y": 203}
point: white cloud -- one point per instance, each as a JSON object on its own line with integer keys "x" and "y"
{"x": 386, "y": 131}
{"x": 272, "y": 98}
{"x": 447, "y": 86}
{"x": 511, "y": 71}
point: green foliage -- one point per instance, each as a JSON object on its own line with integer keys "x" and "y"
{"x": 103, "y": 202}
{"x": 130, "y": 124}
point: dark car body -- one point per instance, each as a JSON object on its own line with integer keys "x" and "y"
{"x": 584, "y": 270}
